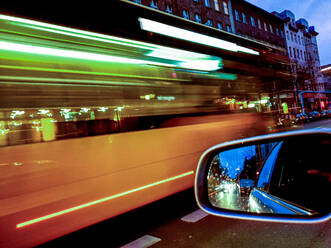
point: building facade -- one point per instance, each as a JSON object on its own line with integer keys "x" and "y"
{"x": 288, "y": 37}
{"x": 326, "y": 73}
{"x": 235, "y": 16}
{"x": 302, "y": 50}
{"x": 255, "y": 23}
{"x": 213, "y": 13}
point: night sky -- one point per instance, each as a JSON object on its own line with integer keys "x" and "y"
{"x": 316, "y": 12}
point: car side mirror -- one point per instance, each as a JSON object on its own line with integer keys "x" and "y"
{"x": 284, "y": 177}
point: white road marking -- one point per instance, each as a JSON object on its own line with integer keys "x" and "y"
{"x": 195, "y": 216}
{"x": 143, "y": 242}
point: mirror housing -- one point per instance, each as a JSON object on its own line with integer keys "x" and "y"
{"x": 228, "y": 181}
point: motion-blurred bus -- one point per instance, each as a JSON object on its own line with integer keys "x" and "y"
{"x": 104, "y": 109}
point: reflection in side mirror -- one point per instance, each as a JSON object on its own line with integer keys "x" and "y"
{"x": 288, "y": 175}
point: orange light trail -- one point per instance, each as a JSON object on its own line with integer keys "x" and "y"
{"x": 49, "y": 216}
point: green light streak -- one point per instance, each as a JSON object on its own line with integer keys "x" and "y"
{"x": 176, "y": 57}
{"x": 88, "y": 73}
{"x": 98, "y": 201}
{"x": 16, "y": 47}
{"x": 225, "y": 76}
{"x": 77, "y": 82}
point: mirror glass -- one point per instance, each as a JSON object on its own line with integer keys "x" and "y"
{"x": 288, "y": 176}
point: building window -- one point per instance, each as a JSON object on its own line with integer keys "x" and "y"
{"x": 219, "y": 25}
{"x": 209, "y": 23}
{"x": 282, "y": 33}
{"x": 217, "y": 5}
{"x": 236, "y": 14}
{"x": 153, "y": 4}
{"x": 226, "y": 7}
{"x": 291, "y": 36}
{"x": 228, "y": 28}
{"x": 299, "y": 40}
{"x": 185, "y": 14}
{"x": 252, "y": 21}
{"x": 198, "y": 18}
{"x": 290, "y": 51}
{"x": 259, "y": 24}
{"x": 265, "y": 27}
{"x": 301, "y": 54}
{"x": 244, "y": 17}
{"x": 294, "y": 53}
{"x": 277, "y": 31}
{"x": 271, "y": 29}
{"x": 207, "y": 4}
{"x": 295, "y": 37}
{"x": 169, "y": 9}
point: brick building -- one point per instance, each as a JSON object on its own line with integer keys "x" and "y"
{"x": 255, "y": 23}
{"x": 234, "y": 16}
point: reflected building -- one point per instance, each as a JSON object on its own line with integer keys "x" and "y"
{"x": 326, "y": 73}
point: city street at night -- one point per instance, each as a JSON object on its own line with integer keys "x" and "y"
{"x": 177, "y": 123}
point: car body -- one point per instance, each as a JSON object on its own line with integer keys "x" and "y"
{"x": 314, "y": 115}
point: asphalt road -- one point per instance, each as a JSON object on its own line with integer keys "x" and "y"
{"x": 176, "y": 221}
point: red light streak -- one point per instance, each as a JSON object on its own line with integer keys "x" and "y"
{"x": 88, "y": 204}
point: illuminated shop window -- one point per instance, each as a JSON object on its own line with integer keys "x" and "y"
{"x": 207, "y": 3}
{"x": 219, "y": 25}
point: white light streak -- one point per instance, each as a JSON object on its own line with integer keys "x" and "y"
{"x": 164, "y": 29}
{"x": 326, "y": 69}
